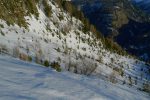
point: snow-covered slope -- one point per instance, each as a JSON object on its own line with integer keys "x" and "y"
{"x": 28, "y": 81}
{"x": 61, "y": 39}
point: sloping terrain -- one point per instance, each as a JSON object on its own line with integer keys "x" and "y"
{"x": 136, "y": 40}
{"x": 28, "y": 81}
{"x": 123, "y": 21}
{"x": 110, "y": 15}
{"x": 59, "y": 40}
{"x": 143, "y": 4}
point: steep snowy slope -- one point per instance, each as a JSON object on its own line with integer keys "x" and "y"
{"x": 61, "y": 41}
{"x": 27, "y": 81}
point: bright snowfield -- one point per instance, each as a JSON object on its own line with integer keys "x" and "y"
{"x": 27, "y": 81}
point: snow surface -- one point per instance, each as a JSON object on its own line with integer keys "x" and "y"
{"x": 28, "y": 81}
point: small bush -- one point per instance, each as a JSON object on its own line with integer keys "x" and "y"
{"x": 119, "y": 70}
{"x": 1, "y": 25}
{"x": 46, "y": 63}
{"x": 112, "y": 78}
{"x": 61, "y": 17}
{"x": 2, "y": 33}
{"x": 47, "y": 8}
{"x": 130, "y": 80}
{"x": 3, "y": 48}
{"x": 23, "y": 57}
{"x": 58, "y": 49}
{"x": 56, "y": 66}
{"x": 146, "y": 87}
{"x": 16, "y": 52}
{"x": 29, "y": 58}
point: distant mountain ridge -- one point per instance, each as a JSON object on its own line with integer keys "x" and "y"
{"x": 143, "y": 4}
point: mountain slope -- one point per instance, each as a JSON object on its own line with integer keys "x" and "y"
{"x": 28, "y": 81}
{"x": 122, "y": 21}
{"x": 63, "y": 41}
{"x": 108, "y": 14}
{"x": 143, "y": 4}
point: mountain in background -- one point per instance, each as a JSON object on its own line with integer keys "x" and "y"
{"x": 121, "y": 20}
{"x": 143, "y": 4}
